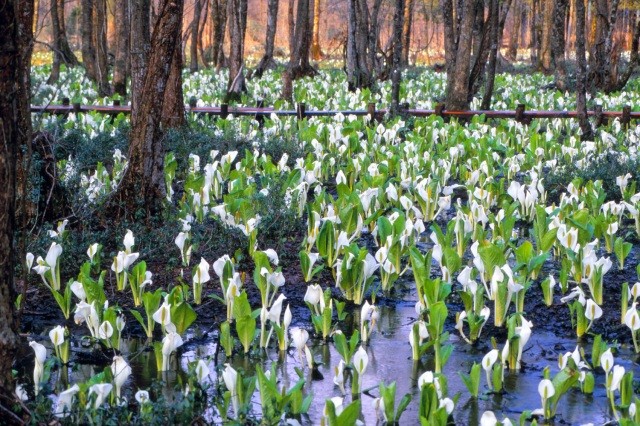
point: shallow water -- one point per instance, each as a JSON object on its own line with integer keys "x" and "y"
{"x": 389, "y": 359}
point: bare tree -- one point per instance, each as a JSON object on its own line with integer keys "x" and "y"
{"x": 121, "y": 64}
{"x": 16, "y": 44}
{"x": 62, "y": 53}
{"x": 142, "y": 185}
{"x": 299, "y": 65}
{"x": 272, "y": 22}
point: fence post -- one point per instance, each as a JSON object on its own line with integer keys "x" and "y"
{"x": 224, "y": 110}
{"x": 520, "y": 113}
{"x": 439, "y": 109}
{"x": 301, "y": 111}
{"x": 65, "y": 102}
{"x": 626, "y": 116}
{"x": 371, "y": 112}
{"x": 77, "y": 107}
{"x": 259, "y": 117}
{"x": 600, "y": 120}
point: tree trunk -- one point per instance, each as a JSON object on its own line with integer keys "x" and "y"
{"x": 121, "y": 64}
{"x": 316, "y": 50}
{"x": 458, "y": 54}
{"x": 291, "y": 27}
{"x": 142, "y": 185}
{"x": 88, "y": 47}
{"x": 534, "y": 46}
{"x": 16, "y": 44}
{"x": 195, "y": 35}
{"x": 299, "y": 65}
{"x": 514, "y": 34}
{"x": 362, "y": 38}
{"x": 603, "y": 60}
{"x": 101, "y": 48}
{"x": 219, "y": 17}
{"x": 493, "y": 54}
{"x": 237, "y": 31}
{"x": 173, "y": 108}
{"x": 139, "y": 39}
{"x": 406, "y": 31}
{"x": 558, "y": 43}
{"x": 62, "y": 53}
{"x": 546, "y": 30}
{"x": 581, "y": 83}
{"x": 272, "y": 22}
{"x": 396, "y": 71}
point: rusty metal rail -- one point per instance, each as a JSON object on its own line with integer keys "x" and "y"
{"x": 520, "y": 113}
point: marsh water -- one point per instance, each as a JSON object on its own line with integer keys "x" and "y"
{"x": 389, "y": 360}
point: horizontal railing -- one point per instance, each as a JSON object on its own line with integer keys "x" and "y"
{"x": 520, "y": 114}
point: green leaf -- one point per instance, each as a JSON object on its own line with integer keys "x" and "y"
{"x": 182, "y": 316}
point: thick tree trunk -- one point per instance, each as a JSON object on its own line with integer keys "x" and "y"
{"x": 581, "y": 83}
{"x": 272, "y": 23}
{"x": 495, "y": 35}
{"x": 219, "y": 17}
{"x": 237, "y": 31}
{"x": 88, "y": 46}
{"x": 173, "y": 108}
{"x": 16, "y": 44}
{"x": 195, "y": 35}
{"x": 558, "y": 43}
{"x": 406, "y": 31}
{"x": 459, "y": 59}
{"x": 143, "y": 183}
{"x": 362, "y": 37}
{"x": 121, "y": 64}
{"x": 139, "y": 39}
{"x": 603, "y": 61}
{"x": 514, "y": 34}
{"x": 396, "y": 71}
{"x": 291, "y": 26}
{"x": 316, "y": 50}
{"x": 62, "y": 53}
{"x": 299, "y": 65}
{"x": 546, "y": 30}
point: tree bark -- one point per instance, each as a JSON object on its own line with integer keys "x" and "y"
{"x": 140, "y": 41}
{"x": 121, "y": 64}
{"x": 299, "y": 65}
{"x": 195, "y": 34}
{"x": 396, "y": 71}
{"x": 16, "y": 44}
{"x": 581, "y": 83}
{"x": 548, "y": 18}
{"x": 143, "y": 186}
{"x": 362, "y": 37}
{"x": 291, "y": 26}
{"x": 272, "y": 25}
{"x": 173, "y": 108}
{"x": 514, "y": 34}
{"x": 219, "y": 17}
{"x": 237, "y": 30}
{"x": 406, "y": 31}
{"x": 101, "y": 48}
{"x": 458, "y": 54}
{"x": 558, "y": 43}
{"x": 62, "y": 53}
{"x": 493, "y": 54}
{"x": 316, "y": 50}
{"x": 88, "y": 47}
